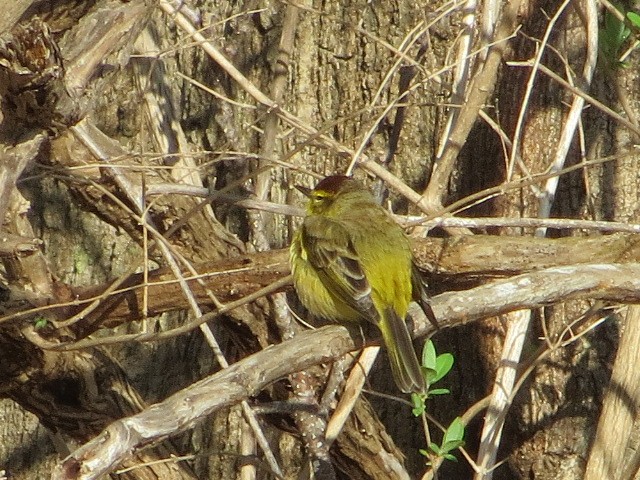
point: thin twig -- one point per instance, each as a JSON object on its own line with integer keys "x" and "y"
{"x": 479, "y": 90}
{"x": 573, "y": 117}
{"x": 461, "y": 71}
{"x": 151, "y": 336}
{"x": 589, "y": 99}
{"x": 524, "y": 103}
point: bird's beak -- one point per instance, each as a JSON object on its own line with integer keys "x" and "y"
{"x": 306, "y": 191}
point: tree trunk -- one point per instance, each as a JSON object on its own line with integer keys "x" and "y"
{"x": 118, "y": 118}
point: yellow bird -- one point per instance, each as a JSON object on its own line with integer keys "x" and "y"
{"x": 352, "y": 262}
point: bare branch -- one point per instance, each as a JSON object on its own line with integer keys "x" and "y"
{"x": 246, "y": 378}
{"x": 479, "y": 90}
{"x": 469, "y": 257}
{"x": 610, "y": 449}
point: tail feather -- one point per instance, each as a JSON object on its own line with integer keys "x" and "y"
{"x": 402, "y": 357}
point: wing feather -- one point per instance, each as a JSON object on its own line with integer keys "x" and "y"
{"x": 331, "y": 252}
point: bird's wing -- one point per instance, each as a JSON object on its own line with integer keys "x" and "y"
{"x": 331, "y": 252}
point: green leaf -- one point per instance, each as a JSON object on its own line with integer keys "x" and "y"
{"x": 429, "y": 374}
{"x": 451, "y": 446}
{"x": 429, "y": 355}
{"x": 453, "y": 436}
{"x": 435, "y": 448}
{"x": 435, "y": 366}
{"x": 444, "y": 363}
{"x": 455, "y": 432}
{"x": 634, "y": 18}
{"x": 615, "y": 31}
{"x": 439, "y": 391}
{"x": 448, "y": 456}
{"x": 612, "y": 37}
{"x": 419, "y": 406}
{"x": 40, "y": 323}
{"x": 429, "y": 362}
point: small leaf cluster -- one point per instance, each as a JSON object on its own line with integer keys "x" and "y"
{"x": 453, "y": 439}
{"x": 435, "y": 367}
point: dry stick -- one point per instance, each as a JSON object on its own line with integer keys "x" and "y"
{"x": 93, "y": 305}
{"x": 558, "y": 223}
{"x": 398, "y": 103}
{"x": 504, "y": 138}
{"x": 479, "y": 255}
{"x": 251, "y": 203}
{"x": 573, "y": 117}
{"x": 518, "y": 324}
{"x": 247, "y": 377}
{"x": 278, "y": 85}
{"x": 407, "y": 42}
{"x": 219, "y": 96}
{"x": 488, "y": 21}
{"x": 406, "y": 221}
{"x": 263, "y": 178}
{"x": 516, "y": 331}
{"x": 183, "y": 23}
{"x": 589, "y": 99}
{"x": 461, "y": 71}
{"x": 287, "y": 117}
{"x": 260, "y": 97}
{"x": 571, "y": 333}
{"x": 281, "y": 268}
{"x": 529, "y": 89}
{"x": 248, "y": 471}
{"x": 370, "y": 166}
{"x": 135, "y": 197}
{"x": 351, "y": 393}
{"x": 464, "y": 203}
{"x": 479, "y": 90}
{"x": 310, "y": 424}
{"x": 172, "y": 140}
{"x": 276, "y": 286}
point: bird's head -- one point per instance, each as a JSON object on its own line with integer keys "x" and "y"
{"x": 323, "y": 196}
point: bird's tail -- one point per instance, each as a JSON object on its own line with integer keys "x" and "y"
{"x": 402, "y": 357}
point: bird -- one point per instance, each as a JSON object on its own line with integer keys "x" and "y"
{"x": 351, "y": 262}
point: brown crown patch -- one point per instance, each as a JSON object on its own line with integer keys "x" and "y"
{"x": 335, "y": 183}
